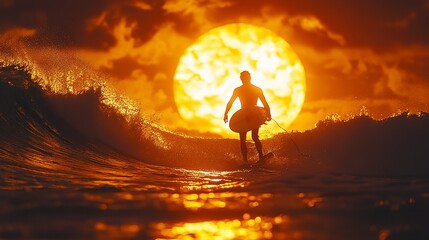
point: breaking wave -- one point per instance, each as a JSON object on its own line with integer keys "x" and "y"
{"x": 70, "y": 119}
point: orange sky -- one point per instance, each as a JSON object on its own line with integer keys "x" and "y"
{"x": 360, "y": 53}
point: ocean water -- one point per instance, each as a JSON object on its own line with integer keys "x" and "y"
{"x": 78, "y": 162}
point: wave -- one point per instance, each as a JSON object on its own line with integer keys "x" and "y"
{"x": 36, "y": 119}
{"x": 393, "y": 146}
{"x": 31, "y": 114}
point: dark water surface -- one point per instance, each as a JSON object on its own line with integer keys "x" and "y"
{"x": 149, "y": 202}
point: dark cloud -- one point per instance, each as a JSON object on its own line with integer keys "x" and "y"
{"x": 65, "y": 23}
{"x": 122, "y": 68}
{"x": 62, "y": 22}
{"x": 418, "y": 66}
{"x": 184, "y": 25}
{"x": 317, "y": 39}
{"x": 362, "y": 23}
{"x": 377, "y": 24}
{"x": 367, "y": 23}
{"x": 329, "y": 83}
{"x": 148, "y": 21}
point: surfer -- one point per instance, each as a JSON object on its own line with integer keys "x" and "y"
{"x": 248, "y": 95}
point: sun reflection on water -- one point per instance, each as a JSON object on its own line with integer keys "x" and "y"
{"x": 212, "y": 191}
{"x": 311, "y": 199}
{"x": 246, "y": 227}
{"x": 108, "y": 231}
{"x": 197, "y": 180}
{"x": 228, "y": 200}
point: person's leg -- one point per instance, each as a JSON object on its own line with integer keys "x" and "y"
{"x": 258, "y": 143}
{"x": 243, "y": 146}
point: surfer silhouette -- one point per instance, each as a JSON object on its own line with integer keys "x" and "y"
{"x": 248, "y": 95}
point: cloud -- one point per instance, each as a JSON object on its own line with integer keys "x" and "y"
{"x": 145, "y": 71}
{"x": 313, "y": 24}
{"x": 195, "y": 7}
{"x": 80, "y": 23}
{"x": 16, "y": 34}
{"x": 87, "y": 24}
{"x": 404, "y": 84}
{"x": 360, "y": 23}
{"x": 156, "y": 50}
{"x": 363, "y": 65}
{"x": 142, "y": 5}
{"x": 194, "y": 17}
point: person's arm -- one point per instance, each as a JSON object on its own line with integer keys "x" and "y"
{"x": 229, "y": 105}
{"x": 266, "y": 106}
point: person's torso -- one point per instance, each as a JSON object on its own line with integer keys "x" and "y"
{"x": 248, "y": 95}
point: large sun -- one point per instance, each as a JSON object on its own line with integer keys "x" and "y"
{"x": 209, "y": 71}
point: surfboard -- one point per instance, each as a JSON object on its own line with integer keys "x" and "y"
{"x": 247, "y": 119}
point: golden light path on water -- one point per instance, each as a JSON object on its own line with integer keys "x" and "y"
{"x": 217, "y": 207}
{"x": 209, "y": 70}
{"x": 248, "y": 227}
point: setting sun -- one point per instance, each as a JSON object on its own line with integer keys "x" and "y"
{"x": 209, "y": 71}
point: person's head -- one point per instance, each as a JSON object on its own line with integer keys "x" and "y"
{"x": 245, "y": 77}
